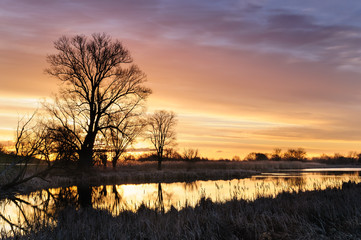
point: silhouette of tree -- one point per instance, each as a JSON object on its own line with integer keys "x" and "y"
{"x": 171, "y": 154}
{"x": 31, "y": 144}
{"x": 276, "y": 155}
{"x": 120, "y": 138}
{"x": 104, "y": 159}
{"x": 295, "y": 154}
{"x": 161, "y": 132}
{"x": 190, "y": 154}
{"x": 63, "y": 147}
{"x": 101, "y": 90}
{"x": 254, "y": 156}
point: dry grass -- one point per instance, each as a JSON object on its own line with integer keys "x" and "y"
{"x": 137, "y": 172}
{"x": 329, "y": 214}
{"x": 173, "y": 171}
{"x": 224, "y": 165}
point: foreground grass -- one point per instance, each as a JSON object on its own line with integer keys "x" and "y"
{"x": 329, "y": 214}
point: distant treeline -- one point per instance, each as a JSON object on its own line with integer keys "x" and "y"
{"x": 292, "y": 154}
{"x": 300, "y": 154}
{"x": 193, "y": 155}
{"x": 170, "y": 154}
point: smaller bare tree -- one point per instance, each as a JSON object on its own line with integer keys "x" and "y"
{"x": 171, "y": 154}
{"x": 276, "y": 155}
{"x": 31, "y": 146}
{"x": 123, "y": 135}
{"x": 298, "y": 154}
{"x": 190, "y": 154}
{"x": 162, "y": 132}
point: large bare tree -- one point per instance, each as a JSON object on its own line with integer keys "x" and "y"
{"x": 162, "y": 132}
{"x": 101, "y": 90}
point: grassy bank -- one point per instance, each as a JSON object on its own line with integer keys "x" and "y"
{"x": 136, "y": 173}
{"x": 329, "y": 214}
{"x": 173, "y": 171}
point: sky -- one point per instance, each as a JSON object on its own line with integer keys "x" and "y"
{"x": 242, "y": 76}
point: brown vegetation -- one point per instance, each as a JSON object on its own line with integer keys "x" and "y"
{"x": 328, "y": 214}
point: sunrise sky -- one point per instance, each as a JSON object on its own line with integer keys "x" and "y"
{"x": 242, "y": 76}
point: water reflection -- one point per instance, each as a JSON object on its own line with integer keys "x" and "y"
{"x": 85, "y": 195}
{"x": 19, "y": 213}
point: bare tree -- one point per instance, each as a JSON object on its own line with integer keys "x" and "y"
{"x": 120, "y": 138}
{"x": 276, "y": 155}
{"x": 298, "y": 154}
{"x": 31, "y": 146}
{"x": 256, "y": 156}
{"x": 190, "y": 154}
{"x": 100, "y": 84}
{"x": 162, "y": 132}
{"x": 171, "y": 153}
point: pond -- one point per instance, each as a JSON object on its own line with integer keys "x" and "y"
{"x": 22, "y": 211}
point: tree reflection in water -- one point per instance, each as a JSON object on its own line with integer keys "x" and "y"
{"x": 27, "y": 212}
{"x": 23, "y": 213}
{"x": 85, "y": 196}
{"x": 191, "y": 186}
{"x": 118, "y": 199}
{"x": 160, "y": 201}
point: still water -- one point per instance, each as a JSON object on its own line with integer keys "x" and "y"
{"x": 22, "y": 210}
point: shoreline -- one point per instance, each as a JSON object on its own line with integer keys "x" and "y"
{"x": 146, "y": 172}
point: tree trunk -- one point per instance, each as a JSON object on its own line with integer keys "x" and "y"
{"x": 114, "y": 161}
{"x": 85, "y": 158}
{"x": 159, "y": 162}
{"x": 86, "y": 152}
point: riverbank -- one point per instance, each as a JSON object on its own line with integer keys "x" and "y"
{"x": 328, "y": 214}
{"x": 172, "y": 171}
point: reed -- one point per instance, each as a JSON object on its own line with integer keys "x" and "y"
{"x": 327, "y": 214}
